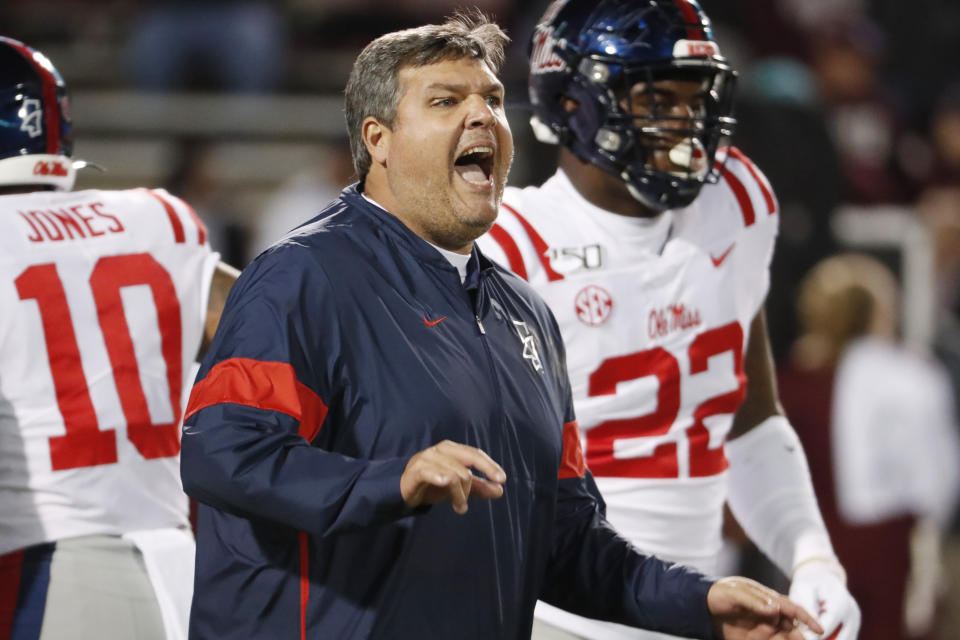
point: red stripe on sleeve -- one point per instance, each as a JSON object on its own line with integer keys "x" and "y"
{"x": 571, "y": 462}
{"x": 201, "y": 229}
{"x": 172, "y": 214}
{"x": 538, "y": 244}
{"x": 752, "y": 168}
{"x": 510, "y": 248}
{"x": 272, "y": 386}
{"x": 304, "y": 583}
{"x": 746, "y": 207}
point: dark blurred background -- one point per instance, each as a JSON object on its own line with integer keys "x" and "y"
{"x": 851, "y": 108}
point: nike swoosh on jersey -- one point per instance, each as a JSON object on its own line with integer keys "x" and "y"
{"x": 433, "y": 323}
{"x": 723, "y": 256}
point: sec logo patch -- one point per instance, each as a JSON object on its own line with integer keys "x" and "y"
{"x": 594, "y": 305}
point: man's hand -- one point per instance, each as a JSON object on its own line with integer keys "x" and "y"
{"x": 442, "y": 472}
{"x": 820, "y": 587}
{"x": 746, "y": 610}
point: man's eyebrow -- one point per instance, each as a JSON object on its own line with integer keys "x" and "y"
{"x": 492, "y": 87}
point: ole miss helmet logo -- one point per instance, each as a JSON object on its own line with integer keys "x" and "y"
{"x": 52, "y": 168}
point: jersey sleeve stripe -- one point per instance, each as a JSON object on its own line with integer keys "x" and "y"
{"x": 201, "y": 228}
{"x": 178, "y": 235}
{"x": 764, "y": 188}
{"x": 538, "y": 244}
{"x": 746, "y": 206}
{"x": 272, "y": 386}
{"x": 572, "y": 464}
{"x": 510, "y": 248}
{"x": 304, "y": 582}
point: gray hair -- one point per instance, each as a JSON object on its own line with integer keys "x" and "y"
{"x": 373, "y": 88}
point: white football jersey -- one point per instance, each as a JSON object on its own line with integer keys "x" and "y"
{"x": 655, "y": 315}
{"x": 103, "y": 298}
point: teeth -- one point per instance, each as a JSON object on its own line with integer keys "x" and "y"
{"x": 473, "y": 150}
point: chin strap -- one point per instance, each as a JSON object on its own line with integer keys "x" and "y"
{"x": 771, "y": 495}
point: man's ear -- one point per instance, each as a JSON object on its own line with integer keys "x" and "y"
{"x": 377, "y": 138}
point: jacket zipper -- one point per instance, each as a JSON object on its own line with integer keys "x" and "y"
{"x": 474, "y": 306}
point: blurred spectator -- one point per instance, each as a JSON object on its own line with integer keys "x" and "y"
{"x": 879, "y": 427}
{"x": 939, "y": 206}
{"x": 782, "y": 127}
{"x": 866, "y": 123}
{"x": 227, "y": 45}
{"x": 923, "y": 50}
{"x": 193, "y": 179}
{"x": 303, "y": 195}
{"x": 777, "y": 28}
{"x": 945, "y": 138}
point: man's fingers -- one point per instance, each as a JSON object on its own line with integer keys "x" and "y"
{"x": 795, "y": 634}
{"x": 458, "y": 495}
{"x": 754, "y": 598}
{"x": 472, "y": 457}
{"x": 444, "y": 472}
{"x": 774, "y": 602}
{"x": 483, "y": 488}
{"x": 792, "y": 611}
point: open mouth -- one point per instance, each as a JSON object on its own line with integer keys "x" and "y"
{"x": 475, "y": 165}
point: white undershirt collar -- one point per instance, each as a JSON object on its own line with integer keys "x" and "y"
{"x": 650, "y": 234}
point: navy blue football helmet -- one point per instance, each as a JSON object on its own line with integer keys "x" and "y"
{"x": 35, "y": 135}
{"x": 598, "y": 54}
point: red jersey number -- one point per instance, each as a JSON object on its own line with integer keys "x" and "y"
{"x": 663, "y": 462}
{"x": 84, "y": 444}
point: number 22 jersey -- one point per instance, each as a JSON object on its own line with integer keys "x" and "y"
{"x": 655, "y": 315}
{"x": 103, "y": 298}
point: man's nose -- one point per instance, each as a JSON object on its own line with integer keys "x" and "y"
{"x": 480, "y": 113}
{"x": 681, "y": 110}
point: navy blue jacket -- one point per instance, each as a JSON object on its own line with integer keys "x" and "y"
{"x": 345, "y": 349}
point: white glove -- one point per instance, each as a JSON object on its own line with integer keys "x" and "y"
{"x": 820, "y": 588}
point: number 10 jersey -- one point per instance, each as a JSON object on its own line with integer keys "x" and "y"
{"x": 103, "y": 298}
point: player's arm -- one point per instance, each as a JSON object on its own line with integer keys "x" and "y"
{"x": 762, "y": 400}
{"x": 223, "y": 278}
{"x": 596, "y": 573}
{"x": 772, "y": 496}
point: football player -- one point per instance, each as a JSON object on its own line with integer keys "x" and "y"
{"x": 652, "y": 244}
{"x": 106, "y": 298}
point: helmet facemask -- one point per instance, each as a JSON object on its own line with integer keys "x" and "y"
{"x": 596, "y": 53}
{"x": 659, "y": 126}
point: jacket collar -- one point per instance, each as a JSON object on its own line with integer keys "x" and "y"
{"x": 418, "y": 247}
